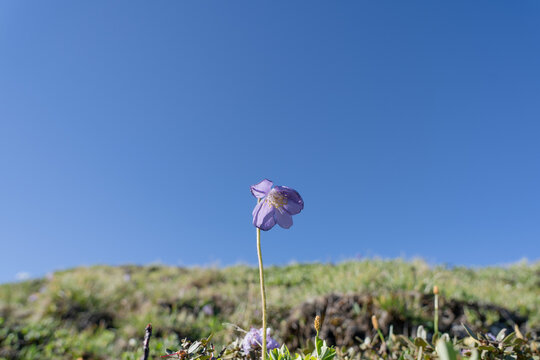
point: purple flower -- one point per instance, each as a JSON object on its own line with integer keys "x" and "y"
{"x": 253, "y": 340}
{"x": 208, "y": 310}
{"x": 276, "y": 205}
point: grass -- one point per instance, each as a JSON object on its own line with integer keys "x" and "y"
{"x": 100, "y": 312}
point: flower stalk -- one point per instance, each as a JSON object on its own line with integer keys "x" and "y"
{"x": 436, "y": 308}
{"x": 375, "y": 324}
{"x": 317, "y": 325}
{"x": 263, "y": 293}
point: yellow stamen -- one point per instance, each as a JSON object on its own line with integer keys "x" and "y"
{"x": 276, "y": 199}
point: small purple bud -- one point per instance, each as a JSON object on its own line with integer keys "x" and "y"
{"x": 208, "y": 310}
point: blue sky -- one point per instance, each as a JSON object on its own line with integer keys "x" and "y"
{"x": 130, "y": 131}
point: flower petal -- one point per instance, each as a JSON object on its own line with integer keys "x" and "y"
{"x": 271, "y": 343}
{"x": 253, "y": 339}
{"x": 257, "y": 208}
{"x": 295, "y": 204}
{"x": 261, "y": 189}
{"x": 284, "y": 219}
{"x": 263, "y": 215}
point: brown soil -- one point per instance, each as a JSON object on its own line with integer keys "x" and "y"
{"x": 347, "y": 318}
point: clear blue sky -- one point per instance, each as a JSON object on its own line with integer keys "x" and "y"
{"x": 130, "y": 131}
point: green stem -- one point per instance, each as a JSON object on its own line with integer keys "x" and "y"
{"x": 436, "y": 320}
{"x": 263, "y": 294}
{"x": 317, "y": 343}
{"x": 381, "y": 336}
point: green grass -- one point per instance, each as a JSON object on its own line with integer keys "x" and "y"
{"x": 100, "y": 312}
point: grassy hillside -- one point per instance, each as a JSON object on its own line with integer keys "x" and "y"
{"x": 100, "y": 312}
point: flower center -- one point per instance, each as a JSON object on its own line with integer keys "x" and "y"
{"x": 276, "y": 199}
